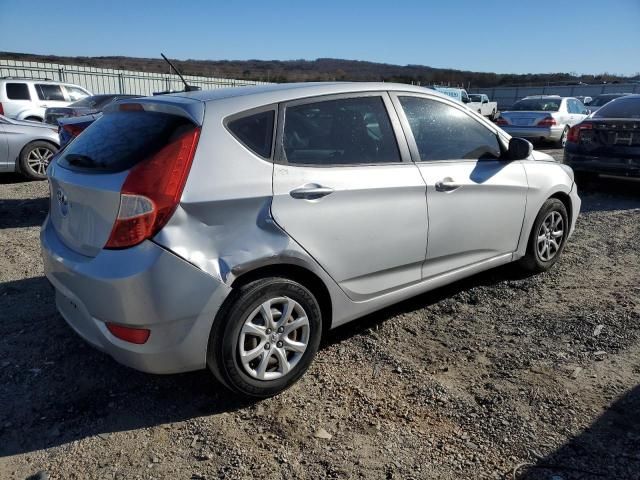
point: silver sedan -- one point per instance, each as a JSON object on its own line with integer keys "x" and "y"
{"x": 27, "y": 147}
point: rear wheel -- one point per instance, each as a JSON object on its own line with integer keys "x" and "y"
{"x": 563, "y": 138}
{"x": 265, "y": 337}
{"x": 35, "y": 158}
{"x": 547, "y": 238}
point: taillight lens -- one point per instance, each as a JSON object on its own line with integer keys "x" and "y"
{"x": 73, "y": 129}
{"x": 547, "y": 122}
{"x": 151, "y": 192}
{"x": 129, "y": 334}
{"x": 574, "y": 132}
{"x": 1, "y": 109}
{"x": 501, "y": 121}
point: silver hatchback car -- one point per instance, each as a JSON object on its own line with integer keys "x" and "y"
{"x": 229, "y": 229}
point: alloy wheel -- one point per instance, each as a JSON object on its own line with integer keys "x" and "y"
{"x": 273, "y": 338}
{"x": 38, "y": 160}
{"x": 550, "y": 236}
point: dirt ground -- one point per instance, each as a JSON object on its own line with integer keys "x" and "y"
{"x": 500, "y": 376}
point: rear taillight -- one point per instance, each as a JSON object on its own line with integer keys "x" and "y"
{"x": 151, "y": 192}
{"x": 1, "y": 109}
{"x": 501, "y": 121}
{"x": 547, "y": 122}
{"x": 129, "y": 334}
{"x": 574, "y": 132}
{"x": 73, "y": 129}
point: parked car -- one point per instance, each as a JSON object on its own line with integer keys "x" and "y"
{"x": 480, "y": 102}
{"x": 70, "y": 127}
{"x": 608, "y": 142}
{"x": 601, "y": 100}
{"x": 27, "y": 99}
{"x": 544, "y": 117}
{"x": 458, "y": 94}
{"x": 26, "y": 147}
{"x": 229, "y": 228}
{"x": 85, "y": 106}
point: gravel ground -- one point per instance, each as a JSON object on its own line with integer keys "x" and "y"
{"x": 500, "y": 376}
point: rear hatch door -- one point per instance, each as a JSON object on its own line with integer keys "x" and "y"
{"x": 86, "y": 179}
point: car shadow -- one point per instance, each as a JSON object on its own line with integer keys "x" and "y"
{"x": 55, "y": 388}
{"x": 608, "y": 448}
{"x": 17, "y": 213}
{"x": 607, "y": 193}
{"x": 9, "y": 178}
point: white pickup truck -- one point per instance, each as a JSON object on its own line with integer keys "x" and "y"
{"x": 480, "y": 103}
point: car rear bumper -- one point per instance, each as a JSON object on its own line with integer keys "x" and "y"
{"x": 622, "y": 167}
{"x": 144, "y": 286}
{"x": 535, "y": 133}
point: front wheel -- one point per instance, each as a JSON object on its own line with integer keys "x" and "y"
{"x": 35, "y": 158}
{"x": 265, "y": 337}
{"x": 548, "y": 237}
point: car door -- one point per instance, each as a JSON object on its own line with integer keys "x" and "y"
{"x": 346, "y": 190}
{"x": 50, "y": 95}
{"x": 476, "y": 201}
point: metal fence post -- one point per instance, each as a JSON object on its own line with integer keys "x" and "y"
{"x": 61, "y": 74}
{"x": 121, "y": 82}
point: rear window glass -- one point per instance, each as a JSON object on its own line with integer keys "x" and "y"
{"x": 620, "y": 108}
{"x": 603, "y": 100}
{"x": 255, "y": 132}
{"x": 49, "y": 92}
{"x": 117, "y": 141}
{"x": 538, "y": 105}
{"x": 18, "y": 91}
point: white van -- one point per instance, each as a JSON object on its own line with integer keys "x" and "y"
{"x": 459, "y": 94}
{"x": 27, "y": 99}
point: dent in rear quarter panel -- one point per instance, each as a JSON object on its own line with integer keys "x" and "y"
{"x": 545, "y": 179}
{"x": 223, "y": 224}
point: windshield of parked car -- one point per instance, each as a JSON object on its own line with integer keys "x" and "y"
{"x": 628, "y": 107}
{"x": 537, "y": 105}
{"x": 603, "y": 99}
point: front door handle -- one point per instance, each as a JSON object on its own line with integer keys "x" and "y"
{"x": 447, "y": 185}
{"x": 310, "y": 191}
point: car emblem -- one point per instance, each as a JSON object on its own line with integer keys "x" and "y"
{"x": 63, "y": 202}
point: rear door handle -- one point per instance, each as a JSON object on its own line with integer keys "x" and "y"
{"x": 311, "y": 191}
{"x": 446, "y": 185}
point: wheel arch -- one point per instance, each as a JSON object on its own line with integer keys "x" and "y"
{"x": 299, "y": 274}
{"x": 566, "y": 200}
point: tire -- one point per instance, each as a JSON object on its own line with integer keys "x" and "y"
{"x": 34, "y": 159}
{"x": 563, "y": 138}
{"x": 234, "y": 333}
{"x": 535, "y": 260}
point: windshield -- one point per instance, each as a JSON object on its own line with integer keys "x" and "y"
{"x": 538, "y": 104}
{"x": 621, "y": 108}
{"x": 603, "y": 99}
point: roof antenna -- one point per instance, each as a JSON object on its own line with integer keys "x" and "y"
{"x": 187, "y": 87}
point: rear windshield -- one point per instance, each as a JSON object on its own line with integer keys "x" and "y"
{"x": 620, "y": 108}
{"x": 119, "y": 140}
{"x": 538, "y": 104}
{"x": 603, "y": 99}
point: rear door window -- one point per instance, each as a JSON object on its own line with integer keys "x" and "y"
{"x": 255, "y": 132}
{"x": 119, "y": 140}
{"x": 49, "y": 92}
{"x": 442, "y": 132}
{"x": 18, "y": 91}
{"x": 75, "y": 93}
{"x": 347, "y": 131}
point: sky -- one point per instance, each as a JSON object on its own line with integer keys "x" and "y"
{"x": 514, "y": 36}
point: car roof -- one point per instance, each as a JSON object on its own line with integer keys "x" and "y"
{"x": 38, "y": 80}
{"x": 285, "y": 91}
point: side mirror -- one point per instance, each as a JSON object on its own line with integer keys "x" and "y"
{"x": 587, "y": 100}
{"x": 465, "y": 100}
{"x": 587, "y": 111}
{"x": 519, "y": 149}
{"x": 485, "y": 101}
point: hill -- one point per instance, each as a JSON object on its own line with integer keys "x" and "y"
{"x": 324, "y": 69}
